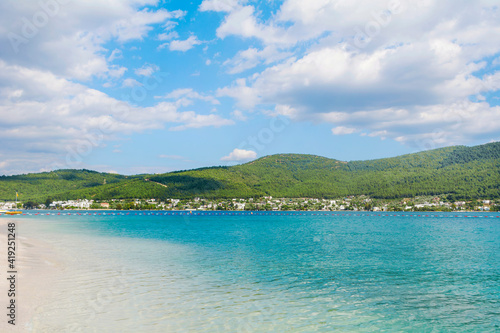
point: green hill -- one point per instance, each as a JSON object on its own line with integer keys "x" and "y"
{"x": 75, "y": 184}
{"x": 460, "y": 172}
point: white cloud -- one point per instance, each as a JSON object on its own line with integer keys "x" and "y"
{"x": 76, "y": 29}
{"x": 367, "y": 22}
{"x": 162, "y": 46}
{"x": 241, "y": 22}
{"x": 341, "y": 130}
{"x": 220, "y": 5}
{"x": 47, "y": 118}
{"x": 116, "y": 71}
{"x": 184, "y": 45}
{"x": 252, "y": 57}
{"x": 247, "y": 97}
{"x": 423, "y": 126}
{"x": 185, "y": 96}
{"x": 116, "y": 54}
{"x": 168, "y": 35}
{"x": 416, "y": 60}
{"x": 239, "y": 115}
{"x": 193, "y": 120}
{"x": 240, "y": 155}
{"x": 129, "y": 83}
{"x": 147, "y": 70}
{"x": 409, "y": 73}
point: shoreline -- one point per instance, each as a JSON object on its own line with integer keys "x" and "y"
{"x": 37, "y": 265}
{"x": 77, "y": 281}
{"x": 25, "y": 211}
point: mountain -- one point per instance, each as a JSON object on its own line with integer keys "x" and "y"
{"x": 460, "y": 172}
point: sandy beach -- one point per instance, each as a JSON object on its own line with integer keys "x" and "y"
{"x": 37, "y": 266}
{"x": 67, "y": 282}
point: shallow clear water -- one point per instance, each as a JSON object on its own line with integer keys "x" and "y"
{"x": 273, "y": 273}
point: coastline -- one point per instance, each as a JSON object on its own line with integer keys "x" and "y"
{"x": 200, "y": 275}
{"x": 74, "y": 282}
{"x": 37, "y": 266}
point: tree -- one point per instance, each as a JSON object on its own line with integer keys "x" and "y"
{"x": 30, "y": 204}
{"x": 249, "y": 206}
{"x": 48, "y": 202}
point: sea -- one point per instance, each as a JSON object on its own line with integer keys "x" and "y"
{"x": 164, "y": 271}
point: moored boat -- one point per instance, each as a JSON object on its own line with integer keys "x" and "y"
{"x": 14, "y": 212}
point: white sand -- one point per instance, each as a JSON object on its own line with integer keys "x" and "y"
{"x": 37, "y": 265}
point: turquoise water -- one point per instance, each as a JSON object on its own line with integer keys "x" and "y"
{"x": 430, "y": 272}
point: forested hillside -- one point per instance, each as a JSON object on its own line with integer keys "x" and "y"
{"x": 72, "y": 184}
{"x": 459, "y": 172}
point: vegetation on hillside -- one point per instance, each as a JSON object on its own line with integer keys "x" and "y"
{"x": 459, "y": 172}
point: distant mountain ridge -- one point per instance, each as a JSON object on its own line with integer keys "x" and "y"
{"x": 460, "y": 172}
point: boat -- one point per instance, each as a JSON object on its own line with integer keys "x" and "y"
{"x": 14, "y": 212}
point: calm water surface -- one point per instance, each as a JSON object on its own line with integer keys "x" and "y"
{"x": 272, "y": 273}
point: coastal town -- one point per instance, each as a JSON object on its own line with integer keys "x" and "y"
{"x": 268, "y": 203}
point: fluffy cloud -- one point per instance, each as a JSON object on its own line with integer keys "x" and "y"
{"x": 238, "y": 155}
{"x": 397, "y": 70}
{"x": 242, "y": 22}
{"x": 252, "y": 57}
{"x": 341, "y": 130}
{"x": 335, "y": 79}
{"x": 67, "y": 38}
{"x": 184, "y": 45}
{"x": 364, "y": 21}
{"x": 193, "y": 120}
{"x": 411, "y": 71}
{"x": 168, "y": 36}
{"x": 54, "y": 119}
{"x": 239, "y": 115}
{"x": 147, "y": 70}
{"x": 220, "y": 5}
{"x": 129, "y": 83}
{"x": 185, "y": 97}
{"x": 115, "y": 54}
{"x": 247, "y": 97}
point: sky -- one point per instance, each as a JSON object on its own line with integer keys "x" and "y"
{"x": 148, "y": 86}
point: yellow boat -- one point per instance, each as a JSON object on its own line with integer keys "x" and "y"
{"x": 15, "y": 212}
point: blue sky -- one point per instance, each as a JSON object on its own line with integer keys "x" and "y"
{"x": 145, "y": 86}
